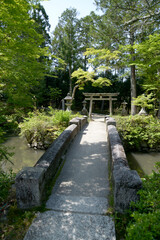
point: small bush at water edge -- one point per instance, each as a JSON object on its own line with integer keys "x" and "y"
{"x": 139, "y": 132}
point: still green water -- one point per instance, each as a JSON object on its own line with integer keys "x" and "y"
{"x": 143, "y": 162}
{"x": 23, "y": 155}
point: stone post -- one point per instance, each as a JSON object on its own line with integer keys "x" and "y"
{"x": 90, "y": 107}
{"x": 110, "y": 106}
{"x": 63, "y": 105}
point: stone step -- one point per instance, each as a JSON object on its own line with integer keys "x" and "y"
{"x": 53, "y": 225}
{"x": 78, "y": 204}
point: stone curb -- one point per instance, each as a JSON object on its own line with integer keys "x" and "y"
{"x": 79, "y": 122}
{"x": 31, "y": 181}
{"x": 126, "y": 182}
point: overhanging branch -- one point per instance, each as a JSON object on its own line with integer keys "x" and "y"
{"x": 133, "y": 20}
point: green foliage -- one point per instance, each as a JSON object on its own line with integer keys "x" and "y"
{"x": 8, "y": 123}
{"x": 62, "y": 117}
{"x": 54, "y": 94}
{"x": 5, "y": 153}
{"x": 144, "y": 101}
{"x": 101, "y": 82}
{"x": 44, "y": 128}
{"x": 145, "y": 222}
{"x": 17, "y": 224}
{"x": 18, "y": 221}
{"x": 85, "y": 76}
{"x": 121, "y": 221}
{"x": 39, "y": 128}
{"x": 146, "y": 226}
{"x": 148, "y": 63}
{"x": 20, "y": 53}
{"x": 65, "y": 43}
{"x": 6, "y": 180}
{"x": 100, "y": 57}
{"x": 137, "y": 132}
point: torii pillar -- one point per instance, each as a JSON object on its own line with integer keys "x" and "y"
{"x": 90, "y": 107}
{"x": 100, "y": 97}
{"x": 110, "y": 105}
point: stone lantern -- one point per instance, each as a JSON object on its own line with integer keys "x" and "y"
{"x": 84, "y": 110}
{"x": 68, "y": 102}
{"x": 124, "y": 111}
{"x": 143, "y": 112}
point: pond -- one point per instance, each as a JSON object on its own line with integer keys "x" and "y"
{"x": 23, "y": 155}
{"x": 144, "y": 163}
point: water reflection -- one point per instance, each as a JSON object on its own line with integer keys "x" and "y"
{"x": 23, "y": 155}
{"x": 143, "y": 161}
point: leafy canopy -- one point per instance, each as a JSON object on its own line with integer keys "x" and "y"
{"x": 101, "y": 60}
{"x": 148, "y": 62}
{"x": 144, "y": 101}
{"x": 20, "y": 51}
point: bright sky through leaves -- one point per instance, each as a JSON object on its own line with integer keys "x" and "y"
{"x": 54, "y": 8}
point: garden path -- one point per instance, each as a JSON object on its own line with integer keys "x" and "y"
{"x": 78, "y": 204}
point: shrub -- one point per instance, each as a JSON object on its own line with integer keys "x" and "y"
{"x": 8, "y": 123}
{"x": 139, "y": 132}
{"x": 6, "y": 180}
{"x": 41, "y": 129}
{"x": 145, "y": 224}
{"x": 5, "y": 153}
{"x": 62, "y": 117}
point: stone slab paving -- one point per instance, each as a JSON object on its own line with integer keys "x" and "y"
{"x": 78, "y": 203}
{"x": 71, "y": 226}
{"x": 85, "y": 172}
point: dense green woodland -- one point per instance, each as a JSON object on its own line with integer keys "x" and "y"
{"x": 118, "y": 51}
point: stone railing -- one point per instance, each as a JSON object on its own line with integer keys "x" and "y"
{"x": 31, "y": 181}
{"x": 126, "y": 182}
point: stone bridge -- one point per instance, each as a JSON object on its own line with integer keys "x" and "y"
{"x": 92, "y": 155}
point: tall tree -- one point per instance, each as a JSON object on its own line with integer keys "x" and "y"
{"x": 65, "y": 44}
{"x": 20, "y": 51}
{"x": 148, "y": 63}
{"x": 131, "y": 21}
{"x": 42, "y": 20}
{"x": 85, "y": 38}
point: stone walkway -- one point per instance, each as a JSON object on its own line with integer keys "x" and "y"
{"x": 78, "y": 204}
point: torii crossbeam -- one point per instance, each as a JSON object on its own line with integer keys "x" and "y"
{"x": 98, "y": 97}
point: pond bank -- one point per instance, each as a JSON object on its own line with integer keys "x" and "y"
{"x": 23, "y": 155}
{"x": 144, "y": 163}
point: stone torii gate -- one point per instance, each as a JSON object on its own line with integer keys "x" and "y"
{"x": 99, "y": 97}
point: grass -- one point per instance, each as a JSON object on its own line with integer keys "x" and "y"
{"x": 17, "y": 223}
{"x": 13, "y": 222}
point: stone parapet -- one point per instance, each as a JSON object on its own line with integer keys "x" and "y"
{"x": 31, "y": 181}
{"x": 30, "y": 184}
{"x": 110, "y": 121}
{"x": 126, "y": 182}
{"x": 80, "y": 122}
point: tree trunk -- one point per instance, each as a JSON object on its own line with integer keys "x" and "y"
{"x": 133, "y": 76}
{"x": 70, "y": 81}
{"x": 133, "y": 89}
